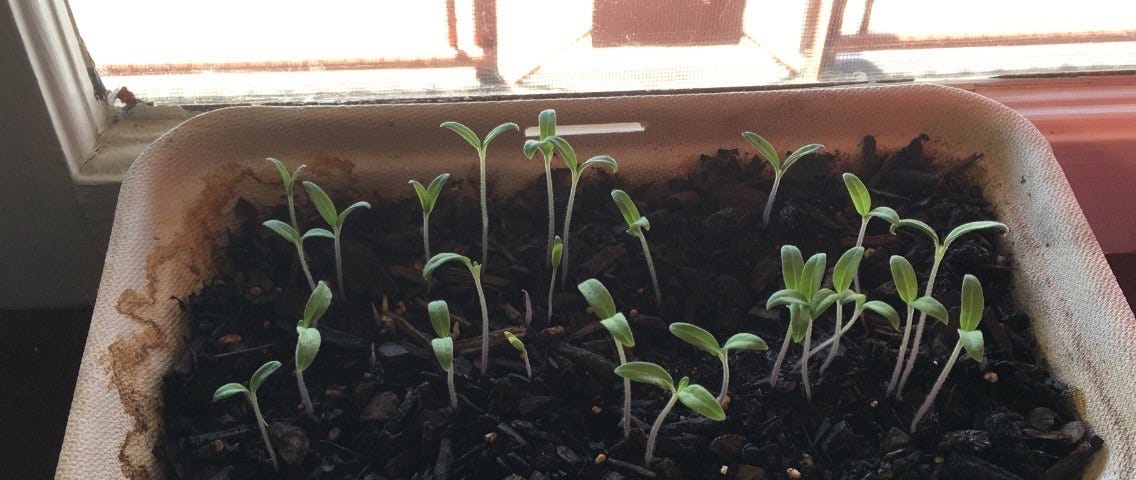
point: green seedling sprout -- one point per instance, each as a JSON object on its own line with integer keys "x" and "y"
{"x": 705, "y": 341}
{"x": 334, "y": 219}
{"x": 482, "y": 146}
{"x": 616, "y": 324}
{"x": 519, "y": 346}
{"x": 557, "y": 255}
{"x": 308, "y": 339}
{"x": 636, "y": 225}
{"x": 291, "y": 231}
{"x": 843, "y": 275}
{"x": 806, "y": 301}
{"x": 428, "y": 198}
{"x": 576, "y": 169}
{"x": 693, "y": 396}
{"x": 970, "y": 338}
{"x": 475, "y": 270}
{"x": 547, "y": 123}
{"x": 766, "y": 150}
{"x": 940, "y": 253}
{"x": 908, "y": 287}
{"x": 229, "y": 389}
{"x": 443, "y": 346}
{"x": 862, "y": 200}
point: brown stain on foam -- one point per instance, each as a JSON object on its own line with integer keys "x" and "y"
{"x": 136, "y": 361}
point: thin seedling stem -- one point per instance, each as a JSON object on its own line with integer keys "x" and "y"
{"x": 567, "y": 226}
{"x": 453, "y": 391}
{"x": 725, "y": 378}
{"x": 650, "y": 455}
{"x": 263, "y": 431}
{"x": 626, "y": 422}
{"x": 938, "y": 385}
{"x": 304, "y": 264}
{"x": 835, "y": 340}
{"x": 860, "y": 243}
{"x": 772, "y": 195}
{"x": 902, "y": 352}
{"x": 781, "y": 356}
{"x": 651, "y": 269}
{"x": 484, "y": 213}
{"x": 484, "y": 325}
{"x": 339, "y": 269}
{"x": 919, "y": 327}
{"x": 426, "y": 234}
{"x": 805, "y": 362}
{"x": 304, "y": 397}
{"x": 551, "y": 209}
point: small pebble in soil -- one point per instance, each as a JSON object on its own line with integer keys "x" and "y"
{"x": 792, "y": 473}
{"x": 991, "y": 377}
{"x": 601, "y": 458}
{"x": 490, "y": 437}
{"x": 725, "y": 470}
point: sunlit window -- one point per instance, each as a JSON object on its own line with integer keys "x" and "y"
{"x": 257, "y": 51}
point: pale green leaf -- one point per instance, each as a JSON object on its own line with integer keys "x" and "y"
{"x": 285, "y": 175}
{"x": 318, "y": 301}
{"x": 566, "y": 152}
{"x": 886, "y": 214}
{"x": 918, "y": 225}
{"x": 515, "y": 342}
{"x": 598, "y": 297}
{"x": 883, "y": 310}
{"x": 322, "y": 203}
{"x": 307, "y": 347}
{"x": 440, "y": 259}
{"x": 973, "y": 302}
{"x": 439, "y": 313}
{"x": 764, "y": 148}
{"x": 846, "y": 267}
{"x": 682, "y": 383}
{"x": 785, "y": 297}
{"x": 972, "y": 227}
{"x": 424, "y": 197}
{"x": 261, "y": 374}
{"x": 531, "y": 147}
{"x": 903, "y": 275}
{"x": 348, "y": 210}
{"x": 792, "y": 265}
{"x": 646, "y": 372}
{"x": 547, "y": 122}
{"x": 638, "y": 227}
{"x": 283, "y": 229}
{"x": 626, "y": 206}
{"x": 801, "y": 153}
{"x": 861, "y": 199}
{"x": 745, "y": 341}
{"x": 601, "y": 161}
{"x": 444, "y": 352}
{"x": 973, "y": 342}
{"x": 557, "y": 251}
{"x": 317, "y": 232}
{"x": 435, "y": 188}
{"x": 697, "y": 398}
{"x": 799, "y": 320}
{"x": 499, "y": 129}
{"x": 812, "y": 274}
{"x": 465, "y": 133}
{"x": 227, "y": 390}
{"x": 619, "y": 329}
{"x": 822, "y": 300}
{"x": 697, "y": 336}
{"x": 932, "y": 308}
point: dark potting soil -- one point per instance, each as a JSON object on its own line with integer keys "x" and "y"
{"x": 381, "y": 401}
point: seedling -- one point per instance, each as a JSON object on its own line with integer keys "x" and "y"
{"x": 308, "y": 338}
{"x": 334, "y": 219}
{"x": 576, "y": 169}
{"x": 705, "y": 341}
{"x": 907, "y": 287}
{"x": 291, "y": 231}
{"x": 636, "y": 225}
{"x": 229, "y": 389}
{"x": 443, "y": 346}
{"x": 693, "y": 396}
{"x": 940, "y": 253}
{"x": 806, "y": 301}
{"x": 970, "y": 338}
{"x": 428, "y": 197}
{"x": 547, "y": 122}
{"x": 557, "y": 255}
{"x": 842, "y": 278}
{"x": 481, "y": 146}
{"x": 616, "y": 324}
{"x": 766, "y": 150}
{"x": 519, "y": 345}
{"x": 475, "y": 270}
{"x": 862, "y": 200}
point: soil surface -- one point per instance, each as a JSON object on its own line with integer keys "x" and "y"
{"x": 381, "y": 402}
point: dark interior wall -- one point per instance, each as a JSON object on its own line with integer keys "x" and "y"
{"x": 49, "y": 256}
